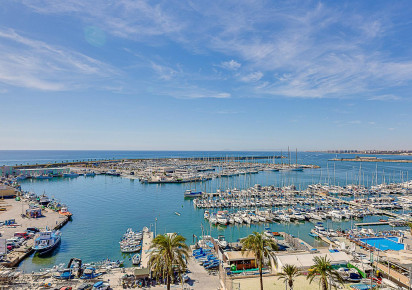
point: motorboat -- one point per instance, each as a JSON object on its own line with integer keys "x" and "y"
{"x": 222, "y": 217}
{"x": 190, "y": 193}
{"x": 268, "y": 233}
{"x": 221, "y": 241}
{"x": 213, "y": 219}
{"x": 46, "y": 241}
{"x": 136, "y": 259}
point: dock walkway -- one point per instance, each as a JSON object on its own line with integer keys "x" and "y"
{"x": 371, "y": 224}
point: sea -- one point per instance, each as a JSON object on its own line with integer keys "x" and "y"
{"x": 104, "y": 207}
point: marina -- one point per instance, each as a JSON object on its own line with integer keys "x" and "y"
{"x": 282, "y": 203}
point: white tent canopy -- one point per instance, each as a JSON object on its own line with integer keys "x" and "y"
{"x": 305, "y": 261}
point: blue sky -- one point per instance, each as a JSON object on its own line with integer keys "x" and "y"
{"x": 205, "y": 75}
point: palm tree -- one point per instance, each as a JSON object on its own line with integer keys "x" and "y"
{"x": 290, "y": 272}
{"x": 409, "y": 224}
{"x": 169, "y": 253}
{"x": 262, "y": 248}
{"x": 324, "y": 269}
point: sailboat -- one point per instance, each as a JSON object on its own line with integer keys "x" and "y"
{"x": 297, "y": 168}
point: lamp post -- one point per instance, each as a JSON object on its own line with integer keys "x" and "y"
{"x": 155, "y": 227}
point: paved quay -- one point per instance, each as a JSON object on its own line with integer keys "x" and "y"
{"x": 14, "y": 210}
{"x": 146, "y": 242}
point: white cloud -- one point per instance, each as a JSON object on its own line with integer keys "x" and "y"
{"x": 388, "y": 97}
{"x": 252, "y": 77}
{"x": 315, "y": 50}
{"x": 124, "y": 18}
{"x": 29, "y": 63}
{"x": 231, "y": 65}
{"x": 164, "y": 72}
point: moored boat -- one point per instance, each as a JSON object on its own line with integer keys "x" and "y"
{"x": 46, "y": 242}
{"x": 64, "y": 211}
{"x": 136, "y": 259}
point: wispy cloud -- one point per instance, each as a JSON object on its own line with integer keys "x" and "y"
{"x": 312, "y": 50}
{"x": 164, "y": 72}
{"x": 388, "y": 97}
{"x": 124, "y": 18}
{"x": 231, "y": 65}
{"x": 29, "y": 63}
{"x": 252, "y": 77}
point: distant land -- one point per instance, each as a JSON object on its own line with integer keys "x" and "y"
{"x": 375, "y": 152}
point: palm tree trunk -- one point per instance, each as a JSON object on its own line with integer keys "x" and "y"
{"x": 168, "y": 282}
{"x": 324, "y": 284}
{"x": 261, "y": 274}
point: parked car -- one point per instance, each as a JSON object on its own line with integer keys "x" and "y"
{"x": 33, "y": 230}
{"x": 85, "y": 287}
{"x": 23, "y": 235}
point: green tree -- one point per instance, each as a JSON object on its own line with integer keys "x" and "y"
{"x": 290, "y": 272}
{"x": 262, "y": 247}
{"x": 324, "y": 269}
{"x": 169, "y": 253}
{"x": 409, "y": 224}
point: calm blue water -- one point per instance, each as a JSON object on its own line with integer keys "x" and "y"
{"x": 104, "y": 207}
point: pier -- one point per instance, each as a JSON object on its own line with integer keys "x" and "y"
{"x": 372, "y": 224}
{"x": 146, "y": 242}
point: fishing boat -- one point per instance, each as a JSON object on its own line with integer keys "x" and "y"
{"x": 44, "y": 200}
{"x": 136, "y": 259}
{"x": 47, "y": 241}
{"x": 64, "y": 211}
{"x": 65, "y": 274}
{"x": 90, "y": 273}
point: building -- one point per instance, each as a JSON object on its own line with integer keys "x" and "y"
{"x": 7, "y": 191}
{"x": 304, "y": 261}
{"x": 237, "y": 260}
{"x": 57, "y": 171}
{"x": 6, "y": 170}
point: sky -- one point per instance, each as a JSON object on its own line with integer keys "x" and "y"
{"x": 205, "y": 75}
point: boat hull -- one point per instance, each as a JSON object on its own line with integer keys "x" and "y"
{"x": 47, "y": 250}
